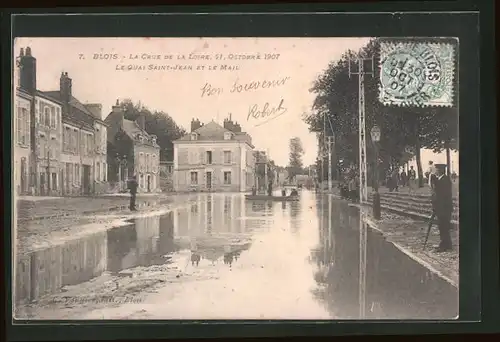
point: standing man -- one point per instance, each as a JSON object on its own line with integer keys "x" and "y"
{"x": 412, "y": 179}
{"x": 442, "y": 203}
{"x": 132, "y": 185}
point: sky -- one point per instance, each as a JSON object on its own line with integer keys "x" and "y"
{"x": 285, "y": 78}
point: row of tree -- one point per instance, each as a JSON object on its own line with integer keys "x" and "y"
{"x": 405, "y": 130}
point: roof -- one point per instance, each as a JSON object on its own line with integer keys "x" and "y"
{"x": 132, "y": 129}
{"x": 213, "y": 131}
{"x": 78, "y": 110}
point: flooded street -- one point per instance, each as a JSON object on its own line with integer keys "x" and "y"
{"x": 224, "y": 257}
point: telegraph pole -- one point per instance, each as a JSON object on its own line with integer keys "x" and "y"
{"x": 330, "y": 142}
{"x": 363, "y": 190}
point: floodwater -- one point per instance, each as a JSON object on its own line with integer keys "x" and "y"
{"x": 248, "y": 260}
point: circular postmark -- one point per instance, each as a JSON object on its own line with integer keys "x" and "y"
{"x": 402, "y": 75}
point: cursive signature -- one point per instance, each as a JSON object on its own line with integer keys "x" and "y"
{"x": 267, "y": 111}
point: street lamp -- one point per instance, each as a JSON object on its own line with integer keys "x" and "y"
{"x": 375, "y": 135}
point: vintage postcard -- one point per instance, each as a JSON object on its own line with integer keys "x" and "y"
{"x": 235, "y": 178}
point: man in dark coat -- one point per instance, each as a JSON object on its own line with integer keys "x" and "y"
{"x": 442, "y": 203}
{"x": 132, "y": 185}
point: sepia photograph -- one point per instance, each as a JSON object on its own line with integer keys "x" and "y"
{"x": 234, "y": 178}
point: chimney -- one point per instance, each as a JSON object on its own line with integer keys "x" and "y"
{"x": 27, "y": 65}
{"x": 195, "y": 124}
{"x": 117, "y": 111}
{"x": 141, "y": 121}
{"x": 65, "y": 87}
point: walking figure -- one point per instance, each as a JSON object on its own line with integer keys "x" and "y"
{"x": 442, "y": 203}
{"x": 132, "y": 185}
{"x": 195, "y": 259}
{"x": 432, "y": 174}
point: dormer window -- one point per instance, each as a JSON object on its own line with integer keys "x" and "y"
{"x": 194, "y": 136}
{"x": 153, "y": 139}
{"x": 227, "y": 135}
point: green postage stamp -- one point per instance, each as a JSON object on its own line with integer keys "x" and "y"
{"x": 417, "y": 74}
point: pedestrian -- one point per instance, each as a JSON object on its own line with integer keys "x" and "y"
{"x": 395, "y": 179}
{"x": 412, "y": 180}
{"x": 270, "y": 189}
{"x": 432, "y": 174}
{"x": 195, "y": 259}
{"x": 404, "y": 179}
{"x": 454, "y": 176}
{"x": 442, "y": 203}
{"x": 132, "y": 185}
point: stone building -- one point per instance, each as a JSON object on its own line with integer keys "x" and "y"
{"x": 21, "y": 141}
{"x": 214, "y": 158}
{"x": 64, "y": 153}
{"x": 44, "y": 131}
{"x": 83, "y": 157}
{"x": 132, "y": 151}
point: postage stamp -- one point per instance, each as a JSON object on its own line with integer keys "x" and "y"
{"x": 417, "y": 74}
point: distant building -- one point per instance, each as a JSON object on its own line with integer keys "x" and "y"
{"x": 166, "y": 175}
{"x": 214, "y": 158}
{"x": 132, "y": 151}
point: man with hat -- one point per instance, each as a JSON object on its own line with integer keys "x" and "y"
{"x": 442, "y": 203}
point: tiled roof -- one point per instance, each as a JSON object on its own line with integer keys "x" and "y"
{"x": 213, "y": 131}
{"x": 132, "y": 129}
{"x": 78, "y": 111}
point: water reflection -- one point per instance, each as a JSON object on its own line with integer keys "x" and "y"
{"x": 371, "y": 278}
{"x": 315, "y": 248}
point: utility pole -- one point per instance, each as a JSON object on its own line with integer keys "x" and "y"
{"x": 330, "y": 142}
{"x": 363, "y": 190}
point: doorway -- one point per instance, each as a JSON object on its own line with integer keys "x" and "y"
{"x": 42, "y": 183}
{"x": 209, "y": 180}
{"x": 149, "y": 183}
{"x": 86, "y": 179}
{"x": 24, "y": 187}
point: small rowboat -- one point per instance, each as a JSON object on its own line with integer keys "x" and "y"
{"x": 271, "y": 198}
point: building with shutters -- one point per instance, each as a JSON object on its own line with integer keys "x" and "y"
{"x": 83, "y": 156}
{"x": 214, "y": 158}
{"x": 132, "y": 151}
{"x": 67, "y": 139}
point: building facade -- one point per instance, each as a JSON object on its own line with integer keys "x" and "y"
{"x": 63, "y": 150}
{"x": 21, "y": 141}
{"x": 214, "y": 158}
{"x": 132, "y": 151}
{"x": 83, "y": 158}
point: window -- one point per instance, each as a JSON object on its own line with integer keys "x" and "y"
{"x": 209, "y": 157}
{"x": 147, "y": 162}
{"x": 23, "y": 125}
{"x": 98, "y": 172}
{"x": 194, "y": 178}
{"x": 47, "y": 116}
{"x": 74, "y": 141}
{"x": 227, "y": 135}
{"x": 104, "y": 171}
{"x": 141, "y": 161}
{"x": 53, "y": 117}
{"x": 194, "y": 136}
{"x": 227, "y": 177}
{"x": 227, "y": 157}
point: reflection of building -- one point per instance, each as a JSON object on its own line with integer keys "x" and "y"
{"x": 214, "y": 158}
{"x": 132, "y": 151}
{"x": 46, "y": 271}
{"x": 210, "y": 214}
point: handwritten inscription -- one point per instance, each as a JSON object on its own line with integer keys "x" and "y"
{"x": 238, "y": 87}
{"x": 267, "y": 111}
